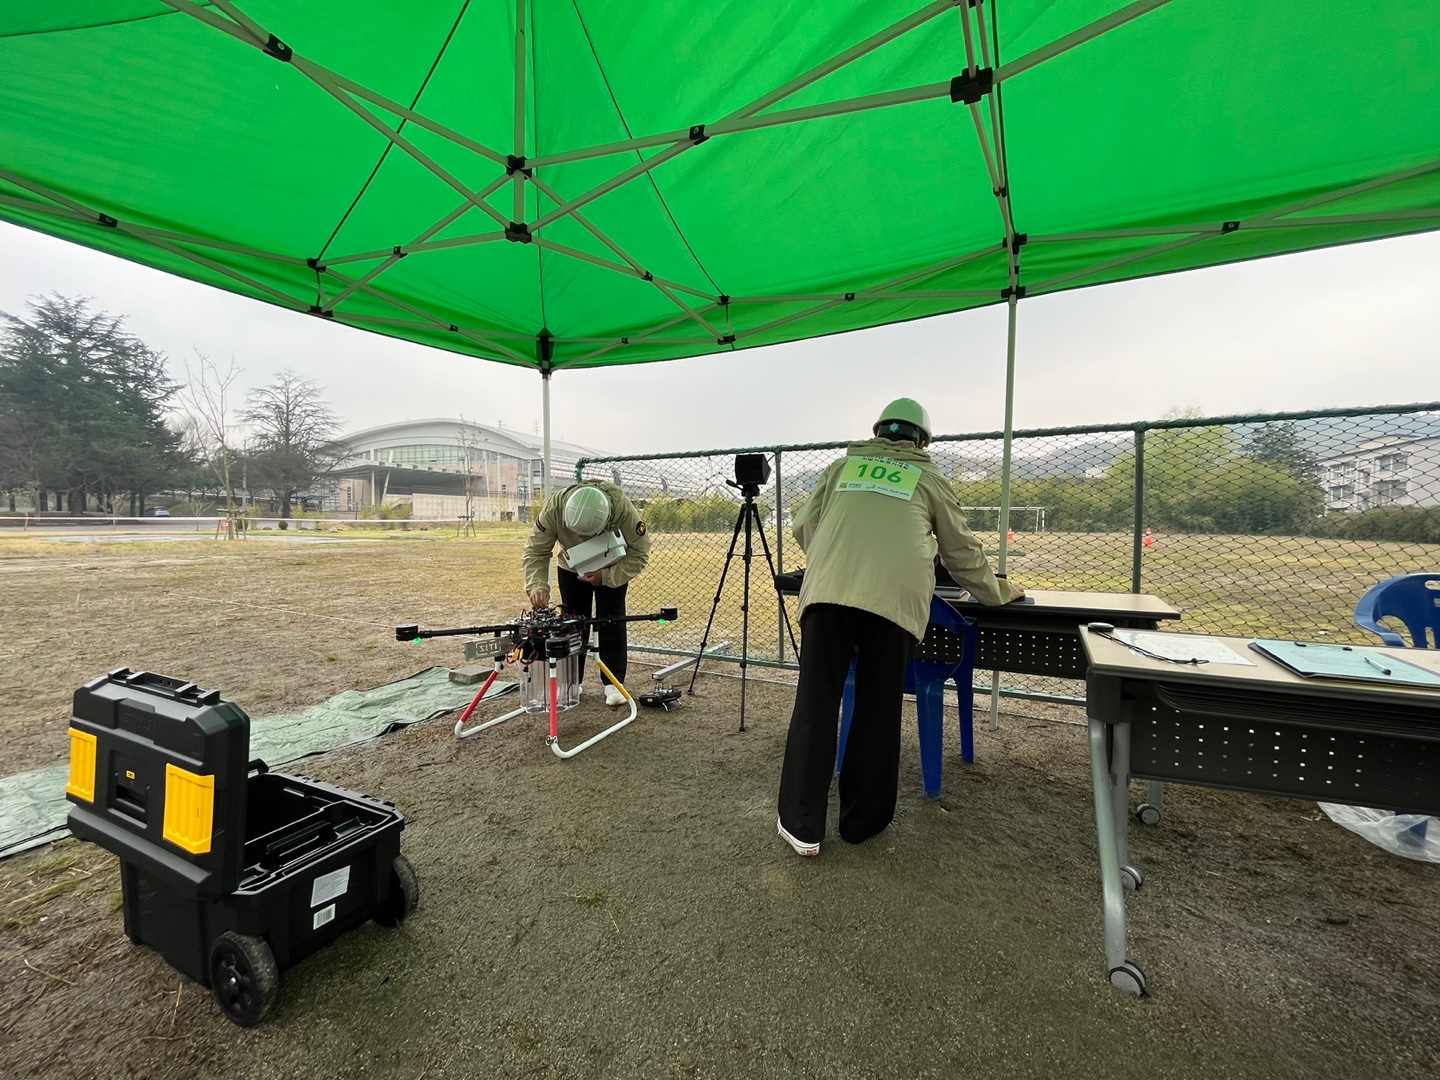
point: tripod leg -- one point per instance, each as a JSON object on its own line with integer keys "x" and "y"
{"x": 748, "y": 510}
{"x": 784, "y": 612}
{"x": 719, "y": 589}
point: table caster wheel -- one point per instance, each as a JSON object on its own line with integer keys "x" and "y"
{"x": 1130, "y": 978}
{"x": 1146, "y": 814}
{"x": 1131, "y": 878}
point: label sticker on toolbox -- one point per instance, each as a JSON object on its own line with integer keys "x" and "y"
{"x": 328, "y": 886}
{"x": 324, "y": 915}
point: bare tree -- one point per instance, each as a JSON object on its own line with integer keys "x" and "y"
{"x": 293, "y": 442}
{"x": 206, "y": 401}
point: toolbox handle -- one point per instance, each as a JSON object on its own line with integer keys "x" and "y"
{"x": 257, "y": 765}
{"x": 163, "y": 686}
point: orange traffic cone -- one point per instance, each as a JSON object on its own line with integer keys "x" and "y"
{"x": 1149, "y": 540}
{"x": 1011, "y": 536}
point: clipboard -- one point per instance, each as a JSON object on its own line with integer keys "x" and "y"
{"x": 1318, "y": 661}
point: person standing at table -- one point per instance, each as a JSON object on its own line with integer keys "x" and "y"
{"x": 870, "y": 530}
{"x": 571, "y": 517}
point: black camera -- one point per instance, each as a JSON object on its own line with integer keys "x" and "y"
{"x": 752, "y": 469}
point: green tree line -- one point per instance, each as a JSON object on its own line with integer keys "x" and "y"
{"x": 1201, "y": 479}
{"x": 90, "y": 419}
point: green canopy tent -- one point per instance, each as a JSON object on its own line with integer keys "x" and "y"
{"x": 576, "y": 183}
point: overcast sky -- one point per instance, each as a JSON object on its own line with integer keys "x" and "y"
{"x": 1357, "y": 325}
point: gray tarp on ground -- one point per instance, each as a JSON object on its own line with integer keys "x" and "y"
{"x": 33, "y": 805}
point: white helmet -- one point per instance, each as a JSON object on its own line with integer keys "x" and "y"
{"x": 586, "y": 511}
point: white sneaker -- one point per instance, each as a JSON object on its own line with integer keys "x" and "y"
{"x": 613, "y": 696}
{"x": 800, "y": 846}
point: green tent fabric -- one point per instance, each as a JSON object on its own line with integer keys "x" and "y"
{"x": 669, "y": 178}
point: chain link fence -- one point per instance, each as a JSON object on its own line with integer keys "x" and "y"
{"x": 1262, "y": 525}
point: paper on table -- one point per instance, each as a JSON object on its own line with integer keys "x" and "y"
{"x": 1182, "y": 649}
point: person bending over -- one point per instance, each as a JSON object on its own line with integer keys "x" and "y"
{"x": 569, "y": 518}
{"x": 870, "y": 530}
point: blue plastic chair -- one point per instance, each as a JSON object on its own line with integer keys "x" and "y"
{"x": 926, "y": 680}
{"x": 1414, "y": 599}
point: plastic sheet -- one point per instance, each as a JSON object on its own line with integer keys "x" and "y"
{"x": 33, "y": 804}
{"x": 1413, "y": 836}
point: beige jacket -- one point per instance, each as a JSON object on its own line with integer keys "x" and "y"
{"x": 876, "y": 552}
{"x": 550, "y": 530}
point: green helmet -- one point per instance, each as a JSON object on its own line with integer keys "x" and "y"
{"x": 902, "y": 419}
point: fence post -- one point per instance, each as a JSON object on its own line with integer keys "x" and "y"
{"x": 1138, "y": 550}
{"x": 779, "y": 554}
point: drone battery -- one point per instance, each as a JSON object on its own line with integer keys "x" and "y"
{"x": 596, "y": 553}
{"x": 535, "y": 676}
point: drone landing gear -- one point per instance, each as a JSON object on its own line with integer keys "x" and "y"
{"x": 553, "y": 739}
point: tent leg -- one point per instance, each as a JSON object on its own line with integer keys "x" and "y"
{"x": 545, "y": 480}
{"x": 1005, "y": 480}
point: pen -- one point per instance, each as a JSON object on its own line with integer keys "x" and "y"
{"x": 1377, "y": 665}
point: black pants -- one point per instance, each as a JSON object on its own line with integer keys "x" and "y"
{"x": 870, "y": 774}
{"x": 596, "y": 601}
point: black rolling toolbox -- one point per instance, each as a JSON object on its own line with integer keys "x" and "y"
{"x": 230, "y": 876}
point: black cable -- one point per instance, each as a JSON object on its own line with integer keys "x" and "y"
{"x": 650, "y": 176}
{"x": 1110, "y": 636}
{"x": 398, "y": 128}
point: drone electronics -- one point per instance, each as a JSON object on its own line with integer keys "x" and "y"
{"x": 597, "y": 553}
{"x": 543, "y": 642}
{"x": 662, "y": 697}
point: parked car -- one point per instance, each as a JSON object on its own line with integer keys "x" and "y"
{"x": 156, "y": 511}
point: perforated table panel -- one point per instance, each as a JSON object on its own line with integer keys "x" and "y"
{"x": 1025, "y": 651}
{"x": 1386, "y": 771}
{"x": 941, "y": 646}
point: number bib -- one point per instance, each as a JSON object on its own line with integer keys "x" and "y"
{"x": 880, "y": 475}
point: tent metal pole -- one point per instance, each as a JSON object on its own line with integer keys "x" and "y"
{"x": 545, "y": 397}
{"x": 745, "y": 120}
{"x": 1269, "y": 217}
{"x": 1005, "y": 480}
{"x": 834, "y": 63}
{"x": 474, "y": 240}
{"x": 520, "y": 48}
{"x": 438, "y": 323}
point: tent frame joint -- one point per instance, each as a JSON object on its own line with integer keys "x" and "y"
{"x": 516, "y": 163}
{"x": 107, "y": 221}
{"x": 278, "y": 49}
{"x": 697, "y": 134}
{"x": 320, "y": 312}
{"x": 1018, "y": 291}
{"x": 972, "y": 86}
{"x": 517, "y": 232}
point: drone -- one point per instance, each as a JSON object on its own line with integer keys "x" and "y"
{"x": 546, "y": 645}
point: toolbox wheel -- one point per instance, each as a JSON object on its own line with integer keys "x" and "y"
{"x": 243, "y": 977}
{"x": 404, "y": 894}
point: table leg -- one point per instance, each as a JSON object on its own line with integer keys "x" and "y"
{"x": 1122, "y": 974}
{"x": 1120, "y": 793}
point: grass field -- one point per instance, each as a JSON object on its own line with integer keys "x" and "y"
{"x": 73, "y": 611}
{"x": 631, "y": 913}
{"x": 1246, "y": 586}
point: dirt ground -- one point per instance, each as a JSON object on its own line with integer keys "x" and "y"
{"x": 630, "y": 913}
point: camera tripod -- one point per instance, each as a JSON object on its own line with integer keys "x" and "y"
{"x": 749, "y": 517}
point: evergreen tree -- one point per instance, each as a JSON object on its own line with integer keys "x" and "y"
{"x": 83, "y": 402}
